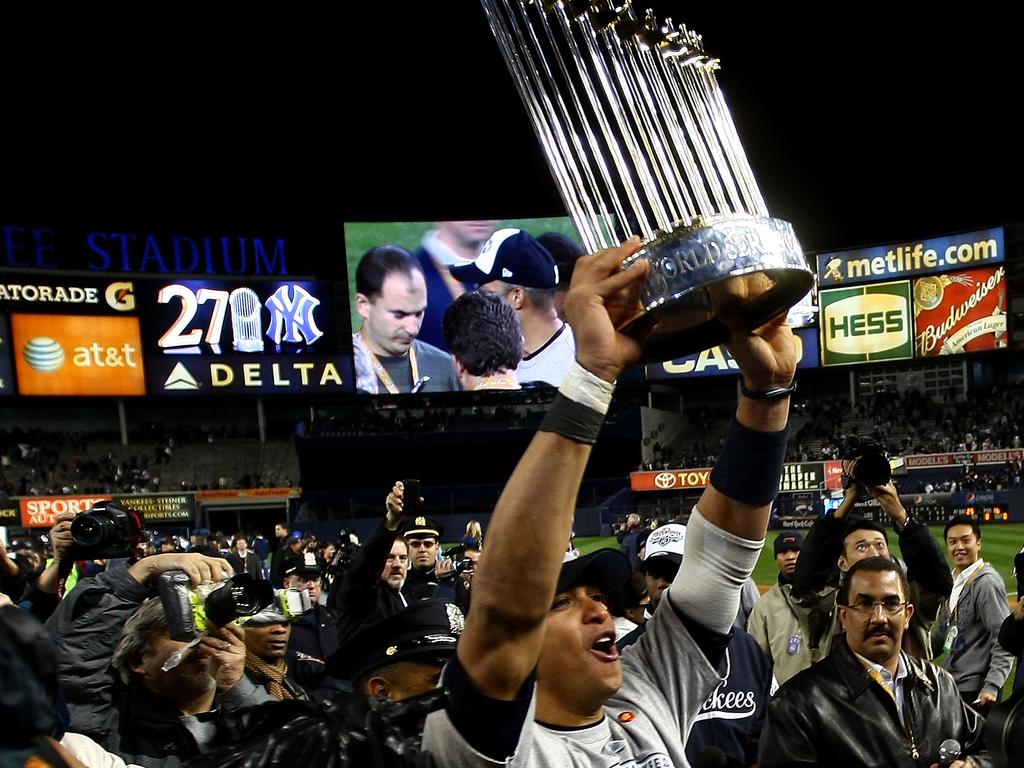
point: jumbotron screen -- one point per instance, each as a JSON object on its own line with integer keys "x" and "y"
{"x": 401, "y": 288}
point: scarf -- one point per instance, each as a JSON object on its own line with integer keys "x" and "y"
{"x": 271, "y": 676}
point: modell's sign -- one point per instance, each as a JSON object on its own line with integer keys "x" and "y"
{"x": 39, "y": 512}
{"x": 960, "y": 312}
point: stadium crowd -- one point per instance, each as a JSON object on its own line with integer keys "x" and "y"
{"x": 514, "y": 648}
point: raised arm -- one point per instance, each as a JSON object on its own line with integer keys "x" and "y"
{"x": 533, "y": 518}
{"x": 726, "y": 529}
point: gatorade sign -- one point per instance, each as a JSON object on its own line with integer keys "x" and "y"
{"x": 866, "y": 324}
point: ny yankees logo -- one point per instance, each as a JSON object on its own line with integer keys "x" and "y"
{"x": 291, "y": 315}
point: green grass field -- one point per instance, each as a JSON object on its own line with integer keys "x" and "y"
{"x": 361, "y": 236}
{"x": 999, "y": 544}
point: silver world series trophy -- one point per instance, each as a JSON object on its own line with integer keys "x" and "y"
{"x": 640, "y": 141}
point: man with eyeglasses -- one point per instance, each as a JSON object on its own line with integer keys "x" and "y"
{"x": 836, "y": 542}
{"x": 868, "y": 702}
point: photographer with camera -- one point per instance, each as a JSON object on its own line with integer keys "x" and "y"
{"x": 835, "y": 542}
{"x": 153, "y": 700}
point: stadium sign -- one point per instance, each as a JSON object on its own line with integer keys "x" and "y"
{"x": 670, "y": 480}
{"x": 717, "y": 361}
{"x": 866, "y": 324}
{"x": 232, "y": 375}
{"x": 935, "y": 255}
{"x": 162, "y": 507}
{"x": 806, "y": 476}
{"x": 39, "y": 511}
{"x": 140, "y": 252}
{"x": 77, "y": 355}
{"x": 34, "y": 293}
{"x": 960, "y": 312}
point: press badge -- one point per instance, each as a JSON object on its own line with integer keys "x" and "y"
{"x": 793, "y": 646}
{"x": 950, "y": 639}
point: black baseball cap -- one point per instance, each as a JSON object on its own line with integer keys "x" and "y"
{"x": 605, "y": 569}
{"x": 426, "y": 631}
{"x": 514, "y": 257}
{"x": 788, "y": 540}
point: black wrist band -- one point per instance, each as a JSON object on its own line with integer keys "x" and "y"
{"x": 772, "y": 393}
{"x": 573, "y": 420}
{"x": 750, "y": 465}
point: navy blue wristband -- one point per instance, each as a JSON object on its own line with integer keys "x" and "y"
{"x": 750, "y": 465}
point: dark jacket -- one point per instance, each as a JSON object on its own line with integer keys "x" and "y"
{"x": 251, "y": 565}
{"x": 126, "y": 719}
{"x": 835, "y": 714}
{"x": 1011, "y": 637}
{"x": 927, "y": 572}
{"x": 359, "y": 595}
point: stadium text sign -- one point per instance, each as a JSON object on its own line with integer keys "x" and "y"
{"x": 77, "y": 355}
{"x": 940, "y": 254}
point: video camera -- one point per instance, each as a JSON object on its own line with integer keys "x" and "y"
{"x": 188, "y": 610}
{"x": 872, "y": 465}
{"x": 457, "y": 555}
{"x": 106, "y": 531}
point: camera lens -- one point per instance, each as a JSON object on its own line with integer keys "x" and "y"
{"x": 88, "y": 530}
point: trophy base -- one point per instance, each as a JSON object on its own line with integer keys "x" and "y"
{"x": 684, "y": 263}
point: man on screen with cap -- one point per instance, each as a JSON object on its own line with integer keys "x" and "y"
{"x": 515, "y": 266}
{"x": 536, "y": 679}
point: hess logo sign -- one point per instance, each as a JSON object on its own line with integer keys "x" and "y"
{"x": 66, "y": 355}
{"x": 864, "y": 324}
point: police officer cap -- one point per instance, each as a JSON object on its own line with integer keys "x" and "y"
{"x": 418, "y": 527}
{"x": 306, "y": 563}
{"x": 425, "y": 632}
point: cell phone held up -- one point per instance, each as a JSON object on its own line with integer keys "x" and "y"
{"x": 410, "y": 496}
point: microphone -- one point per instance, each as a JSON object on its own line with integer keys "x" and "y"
{"x": 949, "y": 750}
{"x": 713, "y": 757}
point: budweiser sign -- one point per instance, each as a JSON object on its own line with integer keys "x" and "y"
{"x": 960, "y": 312}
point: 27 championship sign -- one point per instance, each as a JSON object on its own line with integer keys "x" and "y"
{"x": 256, "y": 337}
{"x": 867, "y": 323}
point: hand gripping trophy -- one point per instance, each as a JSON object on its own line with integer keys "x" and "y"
{"x": 640, "y": 141}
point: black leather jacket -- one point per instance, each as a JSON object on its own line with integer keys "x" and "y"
{"x": 834, "y": 714}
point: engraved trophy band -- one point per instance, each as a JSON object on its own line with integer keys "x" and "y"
{"x": 639, "y": 139}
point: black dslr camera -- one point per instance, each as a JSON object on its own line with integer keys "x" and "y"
{"x": 106, "y": 531}
{"x": 872, "y": 463}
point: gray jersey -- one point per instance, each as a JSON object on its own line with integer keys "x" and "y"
{"x": 665, "y": 680}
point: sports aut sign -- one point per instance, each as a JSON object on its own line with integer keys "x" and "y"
{"x": 38, "y": 512}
